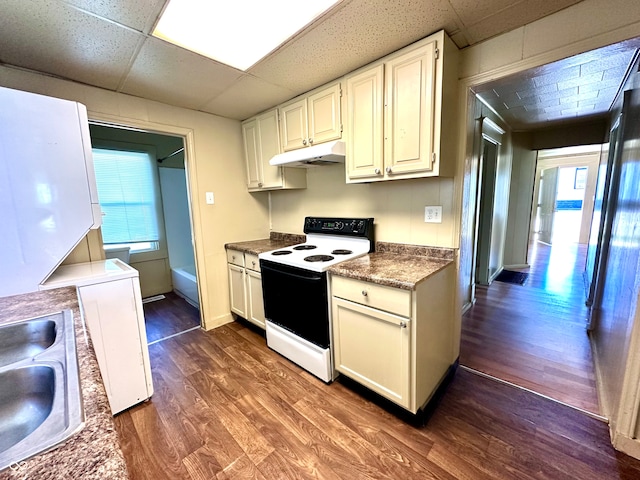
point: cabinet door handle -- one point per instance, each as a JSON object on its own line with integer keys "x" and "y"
{"x": 259, "y": 185}
{"x": 377, "y": 171}
{"x": 388, "y": 169}
{"x": 310, "y": 141}
{"x": 403, "y": 324}
{"x": 304, "y": 142}
{"x": 253, "y": 263}
{"x": 233, "y": 257}
{"x": 364, "y": 293}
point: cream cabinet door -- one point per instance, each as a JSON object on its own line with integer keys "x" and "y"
{"x": 237, "y": 294}
{"x": 255, "y": 304}
{"x": 409, "y": 122}
{"x": 325, "y": 123}
{"x": 373, "y": 348}
{"x": 269, "y": 145}
{"x": 250, "y": 138}
{"x": 365, "y": 124}
{"x": 293, "y": 121}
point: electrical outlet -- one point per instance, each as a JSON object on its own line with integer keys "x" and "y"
{"x": 433, "y": 214}
{"x": 209, "y": 198}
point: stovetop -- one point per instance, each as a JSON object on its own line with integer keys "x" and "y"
{"x": 329, "y": 241}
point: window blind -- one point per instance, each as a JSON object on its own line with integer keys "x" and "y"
{"x": 126, "y": 192}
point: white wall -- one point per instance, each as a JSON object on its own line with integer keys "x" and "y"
{"x": 214, "y": 163}
{"x": 175, "y": 205}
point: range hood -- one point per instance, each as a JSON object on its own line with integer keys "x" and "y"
{"x": 328, "y": 153}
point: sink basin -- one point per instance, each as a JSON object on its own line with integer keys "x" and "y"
{"x": 25, "y": 340}
{"x": 26, "y": 400}
{"x": 40, "y": 396}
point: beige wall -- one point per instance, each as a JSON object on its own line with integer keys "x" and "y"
{"x": 397, "y": 206}
{"x": 214, "y": 163}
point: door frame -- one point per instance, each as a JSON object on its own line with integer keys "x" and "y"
{"x": 187, "y": 136}
{"x": 489, "y": 131}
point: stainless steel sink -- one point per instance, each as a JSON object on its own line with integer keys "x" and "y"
{"x": 25, "y": 340}
{"x": 25, "y": 403}
{"x": 40, "y": 397}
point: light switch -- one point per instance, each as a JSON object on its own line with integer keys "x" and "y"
{"x": 209, "y": 198}
{"x": 433, "y": 214}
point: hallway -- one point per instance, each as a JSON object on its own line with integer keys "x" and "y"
{"x": 534, "y": 336}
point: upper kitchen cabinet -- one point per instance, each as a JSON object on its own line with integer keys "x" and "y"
{"x": 312, "y": 119}
{"x": 261, "y": 139}
{"x": 396, "y": 126}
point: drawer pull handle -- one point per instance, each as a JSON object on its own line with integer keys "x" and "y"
{"x": 253, "y": 263}
{"x": 364, "y": 293}
{"x": 403, "y": 324}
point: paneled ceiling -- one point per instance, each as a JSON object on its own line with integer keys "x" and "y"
{"x": 579, "y": 87}
{"x": 107, "y": 44}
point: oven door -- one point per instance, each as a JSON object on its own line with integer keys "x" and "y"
{"x": 296, "y": 300}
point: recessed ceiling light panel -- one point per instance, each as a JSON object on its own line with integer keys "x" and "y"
{"x": 236, "y": 32}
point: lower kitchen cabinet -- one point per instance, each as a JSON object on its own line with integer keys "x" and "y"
{"x": 372, "y": 347}
{"x": 398, "y": 343}
{"x": 245, "y": 286}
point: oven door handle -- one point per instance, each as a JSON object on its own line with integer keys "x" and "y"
{"x": 313, "y": 275}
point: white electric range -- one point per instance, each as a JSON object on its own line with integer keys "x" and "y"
{"x": 294, "y": 285}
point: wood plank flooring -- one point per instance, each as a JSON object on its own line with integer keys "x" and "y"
{"x": 227, "y": 407}
{"x": 535, "y": 335}
{"x": 169, "y": 316}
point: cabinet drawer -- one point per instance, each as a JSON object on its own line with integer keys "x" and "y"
{"x": 236, "y": 257}
{"x": 251, "y": 262}
{"x": 389, "y": 299}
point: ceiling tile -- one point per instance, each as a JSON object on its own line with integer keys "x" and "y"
{"x": 170, "y": 74}
{"x": 595, "y": 78}
{"x": 555, "y": 76}
{"x": 54, "y": 38}
{"x": 358, "y": 33}
{"x": 514, "y": 16}
{"x": 471, "y": 12}
{"x": 550, "y": 88}
{"x": 246, "y": 97}
{"x": 139, "y": 14}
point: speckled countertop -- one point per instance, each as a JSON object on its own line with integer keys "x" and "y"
{"x": 392, "y": 264}
{"x": 275, "y": 241}
{"x": 396, "y": 265}
{"x": 94, "y": 452}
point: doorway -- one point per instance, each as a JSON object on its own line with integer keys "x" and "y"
{"x": 534, "y": 336}
{"x": 564, "y": 190}
{"x": 166, "y": 260}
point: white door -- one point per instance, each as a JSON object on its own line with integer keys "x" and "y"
{"x": 547, "y": 203}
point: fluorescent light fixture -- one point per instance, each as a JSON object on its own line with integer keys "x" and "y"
{"x": 236, "y": 32}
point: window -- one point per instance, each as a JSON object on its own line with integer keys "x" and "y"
{"x": 129, "y": 197}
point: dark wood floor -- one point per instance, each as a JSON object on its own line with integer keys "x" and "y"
{"x": 169, "y": 316}
{"x": 535, "y": 335}
{"x": 227, "y": 407}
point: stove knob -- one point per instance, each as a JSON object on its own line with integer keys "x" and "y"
{"x": 339, "y": 225}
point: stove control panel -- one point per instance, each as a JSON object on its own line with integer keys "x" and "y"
{"x": 354, "y": 227}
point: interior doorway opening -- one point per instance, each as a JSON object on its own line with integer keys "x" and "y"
{"x": 563, "y": 194}
{"x": 167, "y": 272}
